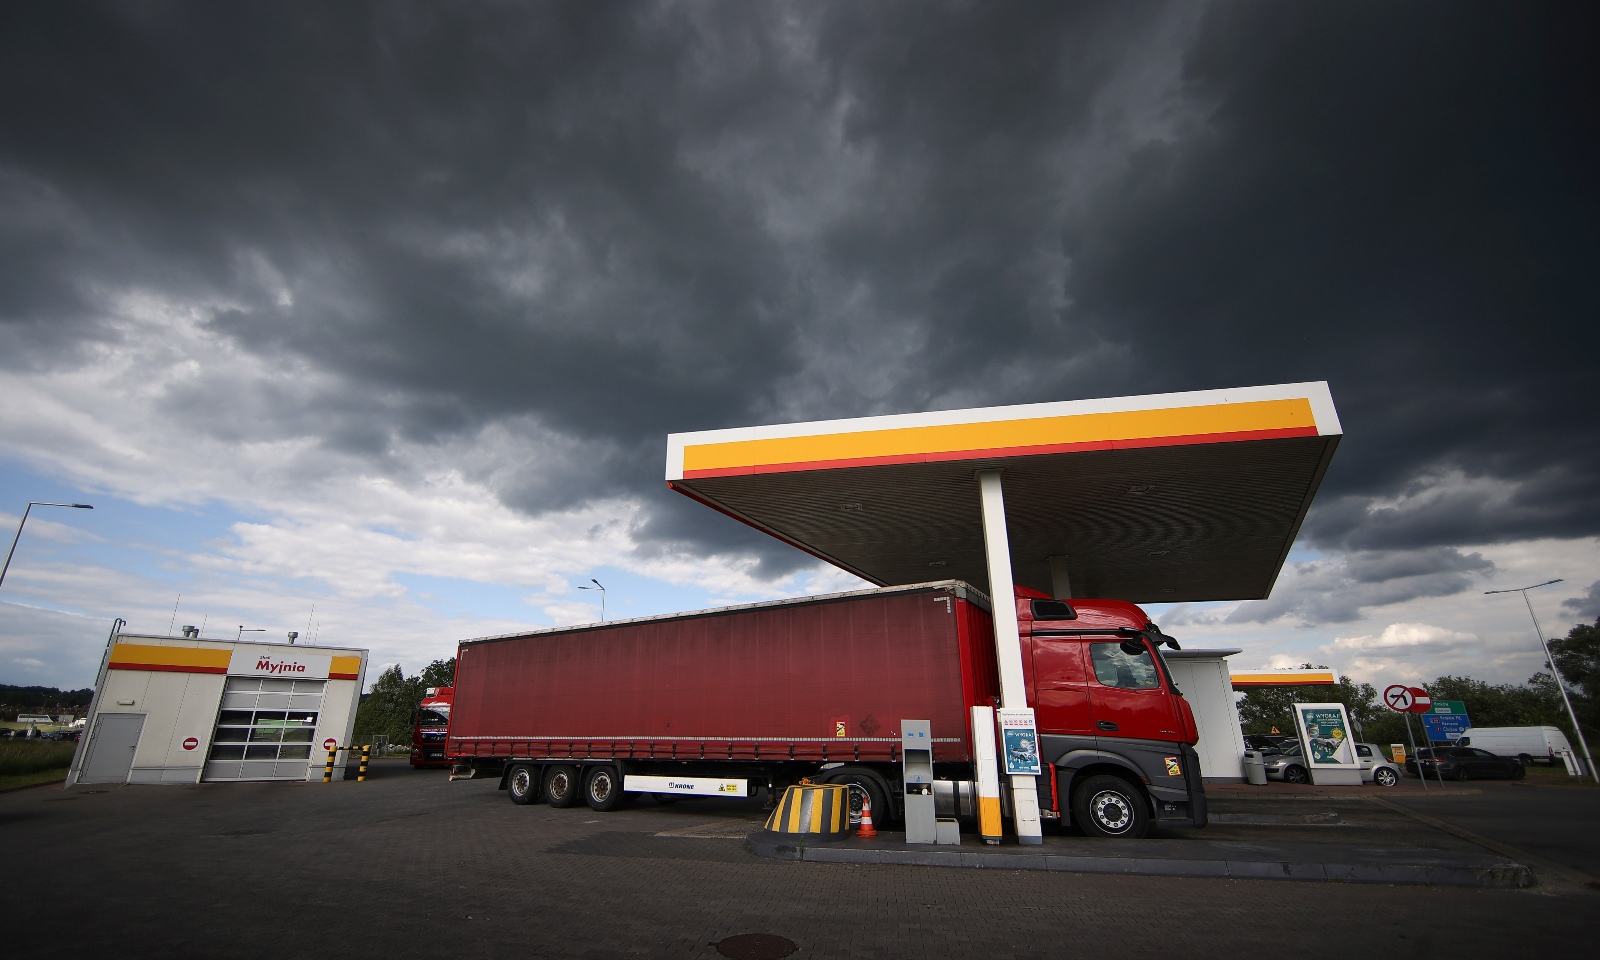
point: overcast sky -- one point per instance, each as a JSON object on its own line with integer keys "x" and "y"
{"x": 370, "y": 320}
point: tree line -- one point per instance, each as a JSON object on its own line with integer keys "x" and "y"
{"x": 15, "y": 700}
{"x": 387, "y": 709}
{"x": 1537, "y": 702}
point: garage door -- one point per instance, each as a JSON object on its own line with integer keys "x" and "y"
{"x": 264, "y": 729}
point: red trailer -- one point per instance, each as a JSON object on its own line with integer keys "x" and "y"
{"x": 734, "y": 700}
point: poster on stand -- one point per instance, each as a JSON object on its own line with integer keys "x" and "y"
{"x": 1325, "y": 736}
{"x": 1019, "y": 742}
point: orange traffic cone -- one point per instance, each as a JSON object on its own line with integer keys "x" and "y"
{"x": 866, "y": 830}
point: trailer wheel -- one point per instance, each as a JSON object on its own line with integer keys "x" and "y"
{"x": 864, "y": 781}
{"x": 523, "y": 785}
{"x": 603, "y": 788}
{"x": 1107, "y": 806}
{"x": 561, "y": 786}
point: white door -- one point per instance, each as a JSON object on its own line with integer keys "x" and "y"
{"x": 264, "y": 729}
{"x": 111, "y": 747}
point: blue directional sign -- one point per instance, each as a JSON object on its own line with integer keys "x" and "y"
{"x": 1447, "y": 721}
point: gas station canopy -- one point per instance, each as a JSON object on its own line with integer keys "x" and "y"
{"x": 1184, "y": 496}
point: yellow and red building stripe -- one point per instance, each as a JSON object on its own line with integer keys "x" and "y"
{"x": 1285, "y": 678}
{"x": 1256, "y": 413}
{"x": 142, "y": 656}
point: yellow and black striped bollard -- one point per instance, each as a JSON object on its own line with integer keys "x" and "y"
{"x": 366, "y": 754}
{"x": 327, "y": 771}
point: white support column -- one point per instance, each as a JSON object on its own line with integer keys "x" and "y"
{"x": 1008, "y": 643}
{"x": 1060, "y": 579}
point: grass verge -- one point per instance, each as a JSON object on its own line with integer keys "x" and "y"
{"x": 15, "y": 780}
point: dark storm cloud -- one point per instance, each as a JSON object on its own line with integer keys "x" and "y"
{"x": 614, "y": 221}
{"x": 1586, "y": 607}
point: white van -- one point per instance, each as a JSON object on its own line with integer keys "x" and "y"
{"x": 1525, "y": 743}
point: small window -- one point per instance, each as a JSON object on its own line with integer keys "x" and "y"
{"x": 1053, "y": 610}
{"x": 1127, "y": 665}
{"x": 235, "y": 718}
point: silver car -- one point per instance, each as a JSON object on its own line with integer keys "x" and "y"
{"x": 1290, "y": 766}
{"x": 1375, "y": 767}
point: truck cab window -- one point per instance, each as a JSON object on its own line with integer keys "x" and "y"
{"x": 1123, "y": 664}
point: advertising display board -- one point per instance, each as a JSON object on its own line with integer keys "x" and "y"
{"x": 1330, "y": 752}
{"x": 1019, "y": 742}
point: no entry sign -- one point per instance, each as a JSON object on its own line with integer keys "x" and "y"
{"x": 190, "y": 743}
{"x": 1397, "y": 696}
{"x": 1420, "y": 701}
{"x": 329, "y": 743}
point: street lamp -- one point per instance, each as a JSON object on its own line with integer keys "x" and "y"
{"x": 1560, "y": 684}
{"x": 31, "y": 505}
{"x": 602, "y": 589}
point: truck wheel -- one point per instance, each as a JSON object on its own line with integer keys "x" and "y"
{"x": 882, "y": 815}
{"x": 523, "y": 785}
{"x": 1107, "y": 806}
{"x": 561, "y": 786}
{"x": 603, "y": 788}
{"x": 1526, "y": 759}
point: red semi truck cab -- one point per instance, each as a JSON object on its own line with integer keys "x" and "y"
{"x": 763, "y": 695}
{"x": 1105, "y": 704}
{"x": 430, "y": 724}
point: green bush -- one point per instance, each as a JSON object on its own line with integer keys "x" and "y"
{"x": 34, "y": 757}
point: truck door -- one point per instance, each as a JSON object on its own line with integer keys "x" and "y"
{"x": 1061, "y": 686}
{"x": 1126, "y": 694}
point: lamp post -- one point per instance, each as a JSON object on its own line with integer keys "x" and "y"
{"x": 1560, "y": 684}
{"x": 602, "y": 589}
{"x": 30, "y": 506}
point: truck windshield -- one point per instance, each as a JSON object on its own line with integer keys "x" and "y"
{"x": 431, "y": 717}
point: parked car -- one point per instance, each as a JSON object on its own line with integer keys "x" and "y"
{"x": 1375, "y": 767}
{"x": 1288, "y": 766}
{"x": 1525, "y": 743}
{"x": 64, "y": 735}
{"x": 1464, "y": 763}
{"x": 1270, "y": 742}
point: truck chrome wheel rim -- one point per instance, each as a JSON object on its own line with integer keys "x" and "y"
{"x": 600, "y": 787}
{"x": 560, "y": 783}
{"x": 1111, "y": 810}
{"x": 521, "y": 782}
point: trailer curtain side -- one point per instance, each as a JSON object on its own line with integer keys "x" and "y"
{"x": 825, "y": 680}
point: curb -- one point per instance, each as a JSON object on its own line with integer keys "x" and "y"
{"x": 1500, "y": 875}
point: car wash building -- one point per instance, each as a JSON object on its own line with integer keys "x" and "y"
{"x": 186, "y": 710}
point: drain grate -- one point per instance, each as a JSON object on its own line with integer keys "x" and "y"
{"x": 755, "y": 946}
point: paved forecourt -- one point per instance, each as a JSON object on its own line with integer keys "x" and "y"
{"x": 410, "y": 865}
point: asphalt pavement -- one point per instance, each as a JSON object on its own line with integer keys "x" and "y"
{"x": 1557, "y": 823}
{"x": 410, "y": 865}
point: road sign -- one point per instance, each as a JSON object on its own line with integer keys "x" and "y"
{"x": 190, "y": 743}
{"x": 329, "y": 743}
{"x": 1420, "y": 701}
{"x": 1397, "y": 696}
{"x": 1449, "y": 706}
{"x": 1446, "y": 726}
